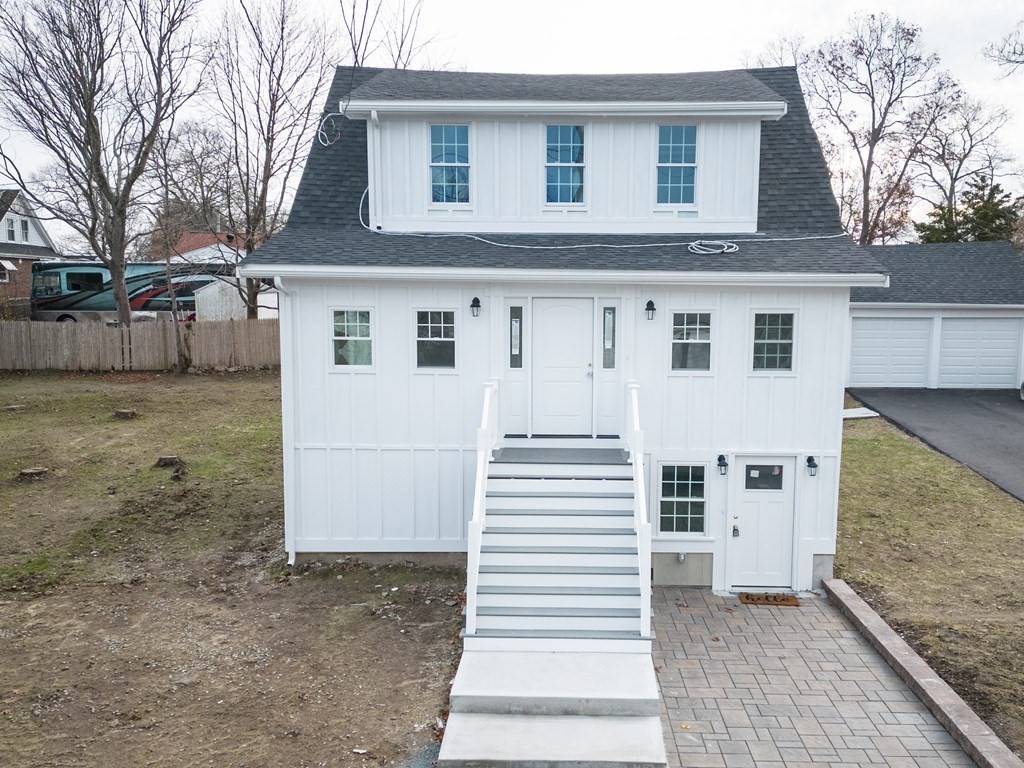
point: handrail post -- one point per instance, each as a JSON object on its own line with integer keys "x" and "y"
{"x": 641, "y": 524}
{"x": 486, "y": 442}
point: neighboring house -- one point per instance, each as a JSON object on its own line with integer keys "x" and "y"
{"x": 952, "y": 317}
{"x": 483, "y": 263}
{"x": 23, "y": 240}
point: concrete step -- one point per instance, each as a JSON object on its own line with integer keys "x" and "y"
{"x": 546, "y": 642}
{"x": 560, "y": 471}
{"x": 552, "y": 683}
{"x": 473, "y": 740}
{"x": 559, "y": 503}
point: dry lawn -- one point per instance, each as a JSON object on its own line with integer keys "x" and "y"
{"x": 937, "y": 550}
{"x": 149, "y": 621}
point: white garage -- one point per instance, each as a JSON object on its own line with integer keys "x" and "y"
{"x": 953, "y": 317}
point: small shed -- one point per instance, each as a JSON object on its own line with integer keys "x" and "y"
{"x": 952, "y": 317}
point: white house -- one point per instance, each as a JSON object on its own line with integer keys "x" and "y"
{"x": 23, "y": 241}
{"x": 588, "y": 329}
{"x": 952, "y": 318}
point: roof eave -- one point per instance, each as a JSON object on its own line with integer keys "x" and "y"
{"x": 764, "y": 110}
{"x": 579, "y": 276}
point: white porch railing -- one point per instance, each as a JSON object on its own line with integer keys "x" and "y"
{"x": 486, "y": 442}
{"x": 641, "y": 523}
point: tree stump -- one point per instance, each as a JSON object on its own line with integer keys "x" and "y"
{"x": 33, "y": 473}
{"x": 125, "y": 413}
{"x": 170, "y": 461}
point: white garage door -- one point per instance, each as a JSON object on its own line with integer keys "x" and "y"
{"x": 890, "y": 352}
{"x": 980, "y": 352}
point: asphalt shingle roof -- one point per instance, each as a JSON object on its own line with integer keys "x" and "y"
{"x": 729, "y": 86}
{"x": 947, "y": 273}
{"x": 795, "y": 200}
{"x": 7, "y": 198}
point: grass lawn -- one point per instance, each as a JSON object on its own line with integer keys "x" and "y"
{"x": 939, "y": 552}
{"x": 151, "y": 621}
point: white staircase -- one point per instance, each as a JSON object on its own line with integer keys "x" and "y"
{"x": 556, "y": 670}
{"x": 559, "y": 557}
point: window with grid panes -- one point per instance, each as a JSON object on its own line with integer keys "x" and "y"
{"x": 691, "y": 341}
{"x": 352, "y": 342}
{"x": 435, "y": 339}
{"x": 449, "y": 163}
{"x": 564, "y": 164}
{"x": 677, "y": 164}
{"x": 682, "y": 499}
{"x": 773, "y": 341}
{"x": 24, "y": 230}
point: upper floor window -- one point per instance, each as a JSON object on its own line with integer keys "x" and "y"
{"x": 352, "y": 342}
{"x": 449, "y": 163}
{"x": 10, "y": 229}
{"x": 564, "y": 164}
{"x": 773, "y": 341}
{"x": 691, "y": 341}
{"x": 677, "y": 164}
{"x": 24, "y": 230}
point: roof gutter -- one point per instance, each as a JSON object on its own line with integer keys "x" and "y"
{"x": 765, "y": 110}
{"x": 579, "y": 276}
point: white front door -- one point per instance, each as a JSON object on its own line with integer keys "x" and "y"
{"x": 563, "y": 366}
{"x": 761, "y": 523}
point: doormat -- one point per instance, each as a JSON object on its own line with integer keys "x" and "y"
{"x": 768, "y": 598}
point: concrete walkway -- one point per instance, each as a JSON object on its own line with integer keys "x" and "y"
{"x": 757, "y": 686}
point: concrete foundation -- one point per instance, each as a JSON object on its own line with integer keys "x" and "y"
{"x": 694, "y": 571}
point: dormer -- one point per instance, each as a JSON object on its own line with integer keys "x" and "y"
{"x": 670, "y": 153}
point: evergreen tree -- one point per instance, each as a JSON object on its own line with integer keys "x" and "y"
{"x": 987, "y": 212}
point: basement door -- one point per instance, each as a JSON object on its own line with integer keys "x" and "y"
{"x": 760, "y": 531}
{"x": 563, "y": 367}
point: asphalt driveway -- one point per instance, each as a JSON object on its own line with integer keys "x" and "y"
{"x": 982, "y": 428}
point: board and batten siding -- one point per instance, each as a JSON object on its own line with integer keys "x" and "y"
{"x": 937, "y": 347}
{"x": 382, "y": 459}
{"x": 507, "y": 190}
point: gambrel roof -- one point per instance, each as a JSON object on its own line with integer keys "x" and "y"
{"x": 948, "y": 273}
{"x": 799, "y": 229}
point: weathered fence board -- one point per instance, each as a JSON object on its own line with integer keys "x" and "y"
{"x": 142, "y": 347}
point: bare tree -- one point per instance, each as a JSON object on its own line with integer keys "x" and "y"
{"x": 882, "y": 93}
{"x": 961, "y": 146}
{"x": 268, "y": 75}
{"x": 94, "y": 83}
{"x": 389, "y": 25}
{"x": 1008, "y": 52}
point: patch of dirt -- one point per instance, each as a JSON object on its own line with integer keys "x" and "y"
{"x": 935, "y": 549}
{"x": 159, "y": 625}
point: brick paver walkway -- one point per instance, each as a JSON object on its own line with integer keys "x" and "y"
{"x": 757, "y": 686}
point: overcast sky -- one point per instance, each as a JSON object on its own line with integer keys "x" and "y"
{"x": 591, "y": 36}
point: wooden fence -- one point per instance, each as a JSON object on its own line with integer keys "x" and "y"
{"x": 142, "y": 347}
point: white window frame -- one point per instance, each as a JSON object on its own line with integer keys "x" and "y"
{"x": 10, "y": 229}
{"x": 697, "y": 164}
{"x": 435, "y": 370}
{"x": 335, "y": 367}
{"x": 24, "y": 230}
{"x": 704, "y": 535}
{"x": 711, "y": 343}
{"x": 5, "y": 275}
{"x": 580, "y": 206}
{"x": 447, "y": 206}
{"x": 792, "y": 370}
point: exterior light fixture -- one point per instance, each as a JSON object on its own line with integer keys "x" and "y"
{"x": 723, "y": 465}
{"x": 650, "y": 309}
{"x": 474, "y": 307}
{"x": 812, "y": 466}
